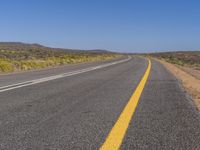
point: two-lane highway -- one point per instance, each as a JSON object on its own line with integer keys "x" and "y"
{"x": 79, "y": 111}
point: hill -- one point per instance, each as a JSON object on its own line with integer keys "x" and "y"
{"x": 16, "y": 56}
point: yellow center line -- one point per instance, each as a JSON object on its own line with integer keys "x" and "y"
{"x": 116, "y": 135}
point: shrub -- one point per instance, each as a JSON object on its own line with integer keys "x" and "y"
{"x": 27, "y": 62}
{"x": 6, "y": 66}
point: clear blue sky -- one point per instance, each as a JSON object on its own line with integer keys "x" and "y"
{"x": 121, "y": 25}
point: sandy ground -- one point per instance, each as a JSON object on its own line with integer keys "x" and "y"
{"x": 190, "y": 79}
{"x": 191, "y": 71}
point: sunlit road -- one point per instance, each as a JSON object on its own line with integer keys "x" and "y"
{"x": 77, "y": 106}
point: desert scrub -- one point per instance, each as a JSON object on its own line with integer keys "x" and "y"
{"x": 20, "y": 56}
{"x": 174, "y": 60}
{"x": 6, "y": 66}
{"x": 187, "y": 58}
{"x": 29, "y": 63}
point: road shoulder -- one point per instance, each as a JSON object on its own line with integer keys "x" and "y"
{"x": 190, "y": 83}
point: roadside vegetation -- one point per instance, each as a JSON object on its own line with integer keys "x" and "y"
{"x": 187, "y": 58}
{"x": 18, "y": 56}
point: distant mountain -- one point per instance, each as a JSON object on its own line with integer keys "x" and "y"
{"x": 25, "y": 46}
{"x": 31, "y": 47}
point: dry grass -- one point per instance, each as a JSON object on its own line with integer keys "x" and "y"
{"x": 184, "y": 58}
{"x": 20, "y": 57}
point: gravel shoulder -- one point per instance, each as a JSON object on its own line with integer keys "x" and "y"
{"x": 189, "y": 78}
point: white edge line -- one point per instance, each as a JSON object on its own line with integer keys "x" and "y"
{"x": 15, "y": 86}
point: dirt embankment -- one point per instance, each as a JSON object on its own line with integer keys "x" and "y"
{"x": 190, "y": 79}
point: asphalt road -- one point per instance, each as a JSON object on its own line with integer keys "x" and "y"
{"x": 79, "y": 111}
